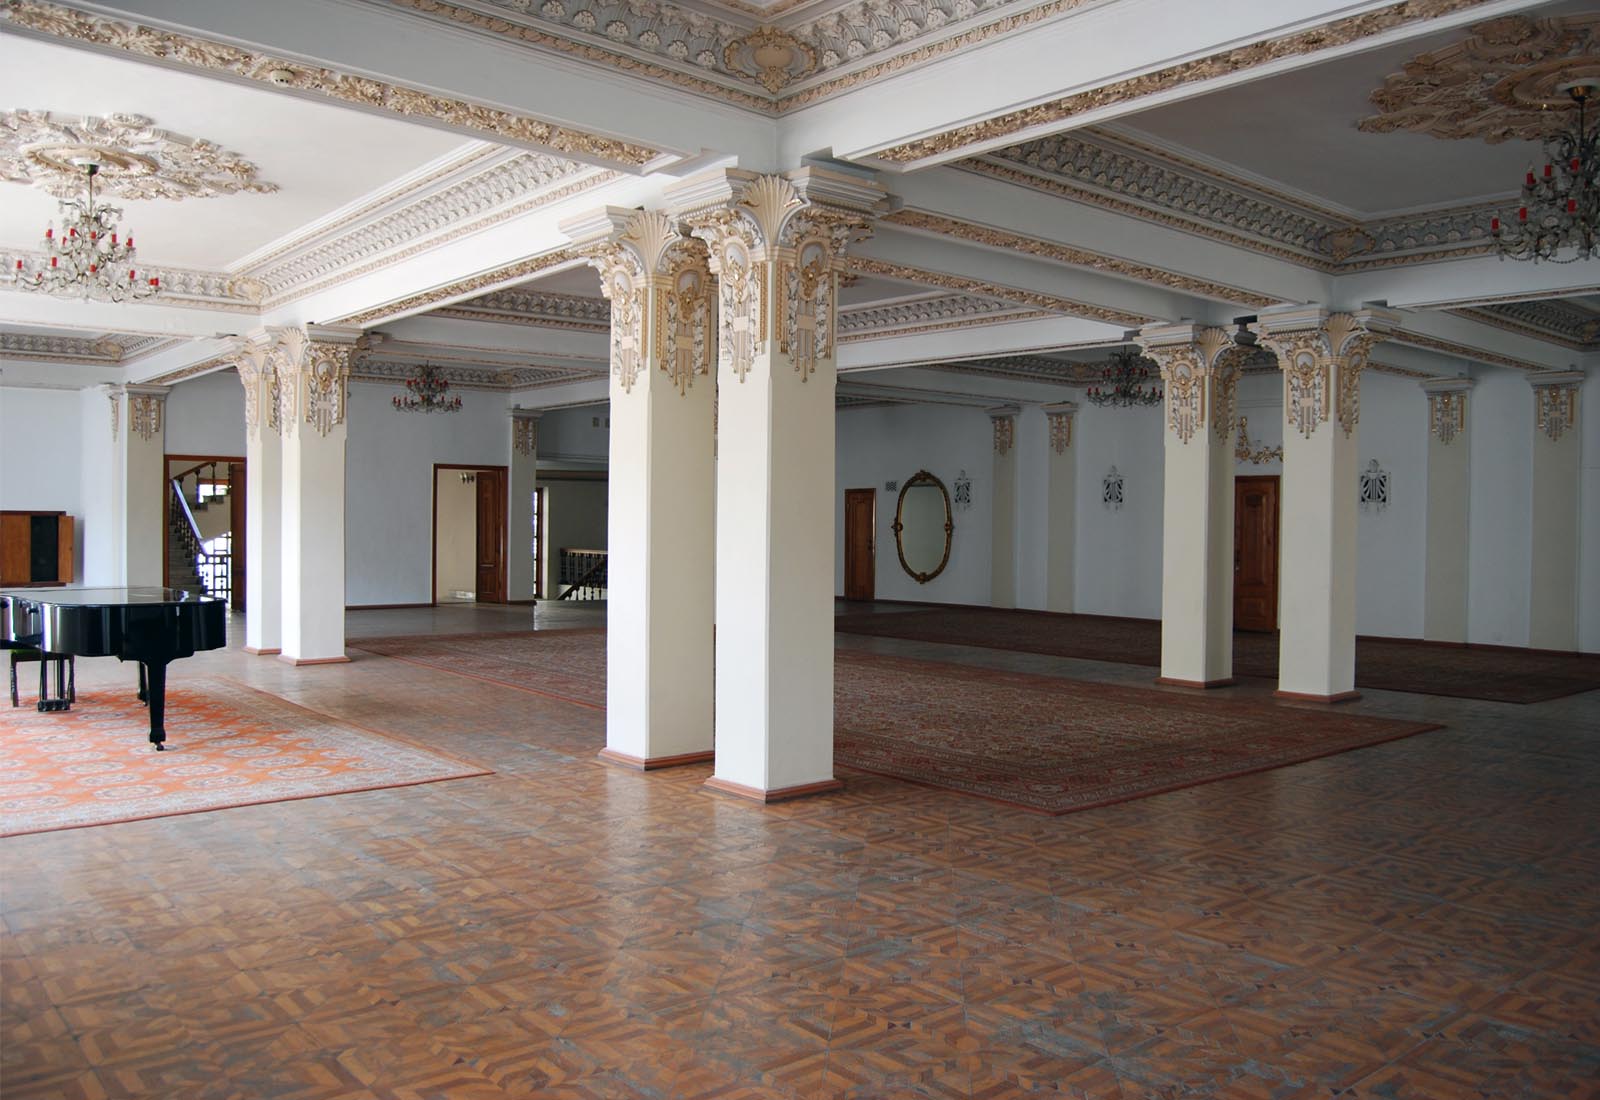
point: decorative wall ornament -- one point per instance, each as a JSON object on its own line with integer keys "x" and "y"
{"x": 1310, "y": 347}
{"x": 60, "y": 22}
{"x": 1556, "y": 402}
{"x": 136, "y": 160}
{"x": 325, "y": 384}
{"x": 253, "y": 365}
{"x": 1501, "y": 84}
{"x": 116, "y": 414}
{"x": 773, "y": 57}
{"x": 816, "y": 239}
{"x": 1243, "y": 453}
{"x": 1111, "y": 495}
{"x": 683, "y": 337}
{"x": 1374, "y": 488}
{"x": 1005, "y": 427}
{"x": 1226, "y": 371}
{"x": 1060, "y": 421}
{"x": 1185, "y": 378}
{"x": 144, "y": 414}
{"x": 963, "y": 491}
{"x": 524, "y": 434}
{"x": 732, "y": 244}
{"x": 1447, "y": 414}
{"x": 1350, "y": 344}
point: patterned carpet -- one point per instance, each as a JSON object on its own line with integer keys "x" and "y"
{"x": 227, "y": 745}
{"x": 1497, "y": 675}
{"x": 1048, "y": 744}
{"x": 1058, "y": 745}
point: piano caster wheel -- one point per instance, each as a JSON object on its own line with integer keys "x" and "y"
{"x": 161, "y": 747}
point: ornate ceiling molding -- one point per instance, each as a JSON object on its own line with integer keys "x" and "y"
{"x": 194, "y": 370}
{"x": 498, "y": 278}
{"x": 55, "y": 21}
{"x": 864, "y": 265}
{"x": 179, "y": 285}
{"x": 136, "y": 160}
{"x": 520, "y": 306}
{"x": 111, "y": 349}
{"x": 1075, "y": 257}
{"x": 1501, "y": 84}
{"x": 1335, "y": 33}
{"x": 1463, "y": 351}
{"x": 1555, "y": 321}
{"x": 1027, "y": 368}
{"x": 934, "y": 313}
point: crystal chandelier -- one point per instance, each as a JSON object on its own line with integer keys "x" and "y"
{"x": 87, "y": 260}
{"x": 1125, "y": 380}
{"x": 1559, "y": 219}
{"x": 426, "y": 392}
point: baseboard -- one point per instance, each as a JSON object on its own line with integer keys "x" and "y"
{"x": 1169, "y": 681}
{"x": 313, "y": 660}
{"x": 385, "y": 606}
{"x": 781, "y": 794}
{"x": 267, "y": 652}
{"x": 650, "y": 764}
{"x": 1303, "y": 697}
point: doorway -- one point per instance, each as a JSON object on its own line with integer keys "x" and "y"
{"x": 469, "y": 533}
{"x": 860, "y": 544}
{"x": 203, "y": 513}
{"x": 1255, "y": 553}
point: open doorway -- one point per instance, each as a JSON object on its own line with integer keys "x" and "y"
{"x": 203, "y": 499}
{"x": 469, "y": 533}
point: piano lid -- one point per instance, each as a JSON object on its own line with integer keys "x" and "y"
{"x": 109, "y": 597}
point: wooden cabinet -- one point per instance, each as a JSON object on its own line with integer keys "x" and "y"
{"x": 35, "y": 548}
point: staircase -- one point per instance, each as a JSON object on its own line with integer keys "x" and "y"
{"x": 190, "y": 565}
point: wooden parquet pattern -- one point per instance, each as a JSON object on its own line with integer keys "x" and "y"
{"x": 1414, "y": 919}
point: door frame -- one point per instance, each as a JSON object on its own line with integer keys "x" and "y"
{"x": 872, "y": 546}
{"x": 238, "y": 552}
{"x": 1277, "y": 547}
{"x": 433, "y": 494}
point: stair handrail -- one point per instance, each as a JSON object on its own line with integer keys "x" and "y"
{"x": 188, "y": 514}
{"x": 586, "y": 580}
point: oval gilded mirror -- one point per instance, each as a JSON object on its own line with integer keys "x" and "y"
{"x": 922, "y": 527}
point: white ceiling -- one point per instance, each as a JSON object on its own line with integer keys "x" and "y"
{"x": 321, "y": 157}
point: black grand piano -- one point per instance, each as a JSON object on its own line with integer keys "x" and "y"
{"x": 150, "y": 625}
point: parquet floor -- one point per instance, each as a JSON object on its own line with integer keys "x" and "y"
{"x": 1409, "y": 920}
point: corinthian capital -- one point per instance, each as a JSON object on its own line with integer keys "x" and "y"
{"x": 1315, "y": 350}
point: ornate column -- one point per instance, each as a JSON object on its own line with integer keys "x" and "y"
{"x": 659, "y": 648}
{"x": 313, "y": 370}
{"x": 1003, "y": 538}
{"x": 1557, "y": 454}
{"x": 1062, "y": 532}
{"x": 1321, "y": 356}
{"x": 522, "y": 484}
{"x": 263, "y": 495}
{"x": 1445, "y": 577}
{"x": 143, "y": 454}
{"x": 777, "y": 247}
{"x": 1200, "y": 375}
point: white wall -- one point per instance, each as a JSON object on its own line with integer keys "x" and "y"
{"x": 573, "y": 438}
{"x": 874, "y": 446}
{"x": 205, "y": 416}
{"x": 41, "y": 455}
{"x": 1033, "y": 507}
{"x": 1119, "y": 552}
{"x": 1589, "y": 519}
{"x": 389, "y": 486}
{"x": 1500, "y": 431}
{"x": 99, "y": 492}
{"x": 1391, "y": 545}
{"x": 575, "y": 518}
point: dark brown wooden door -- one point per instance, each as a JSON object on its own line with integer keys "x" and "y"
{"x": 236, "y": 514}
{"x": 491, "y": 536}
{"x": 1255, "y": 553}
{"x": 860, "y": 543}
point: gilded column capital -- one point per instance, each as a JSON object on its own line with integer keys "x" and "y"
{"x": 1447, "y": 407}
{"x": 1555, "y": 401}
{"x": 313, "y": 373}
{"x": 1200, "y": 368}
{"x": 146, "y": 408}
{"x": 1059, "y": 417}
{"x": 1004, "y": 421}
{"x": 1322, "y": 356}
{"x": 524, "y": 430}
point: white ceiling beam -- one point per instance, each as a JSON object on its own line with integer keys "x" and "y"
{"x": 1013, "y": 338}
{"x": 157, "y": 317}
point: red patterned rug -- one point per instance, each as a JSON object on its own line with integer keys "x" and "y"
{"x": 227, "y": 745}
{"x": 1056, "y": 745}
{"x": 1464, "y": 672}
{"x": 569, "y": 665}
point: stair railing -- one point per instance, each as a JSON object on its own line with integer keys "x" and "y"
{"x": 214, "y": 568}
{"x": 584, "y": 574}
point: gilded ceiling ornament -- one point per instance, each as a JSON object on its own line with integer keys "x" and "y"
{"x": 771, "y": 56}
{"x": 137, "y": 161}
{"x": 1504, "y": 83}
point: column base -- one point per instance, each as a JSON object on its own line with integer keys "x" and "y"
{"x": 1304, "y": 697}
{"x": 1172, "y": 681}
{"x": 781, "y": 794}
{"x": 268, "y": 651}
{"x": 651, "y": 763}
{"x": 313, "y": 660}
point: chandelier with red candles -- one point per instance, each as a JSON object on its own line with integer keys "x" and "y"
{"x": 427, "y": 391}
{"x": 88, "y": 258}
{"x": 1558, "y": 220}
{"x": 1125, "y": 379}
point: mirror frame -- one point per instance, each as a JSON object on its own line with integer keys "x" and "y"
{"x": 921, "y": 477}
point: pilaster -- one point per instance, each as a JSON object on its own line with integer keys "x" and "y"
{"x": 777, "y": 247}
{"x": 139, "y": 443}
{"x": 1445, "y": 561}
{"x": 1003, "y": 538}
{"x": 1062, "y": 495}
{"x": 659, "y": 646}
{"x": 313, "y": 372}
{"x": 1557, "y": 466}
{"x": 1322, "y": 357}
{"x": 263, "y": 495}
{"x": 1200, "y": 374}
{"x": 522, "y": 484}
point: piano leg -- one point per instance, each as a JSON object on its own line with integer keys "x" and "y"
{"x": 155, "y": 674}
{"x": 144, "y": 693}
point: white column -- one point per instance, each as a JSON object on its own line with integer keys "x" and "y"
{"x": 522, "y": 483}
{"x": 1321, "y": 357}
{"x": 1061, "y": 534}
{"x": 263, "y": 497}
{"x": 1557, "y": 466}
{"x": 143, "y": 471}
{"x": 1200, "y": 373}
{"x": 659, "y": 612}
{"x": 314, "y": 374}
{"x": 1445, "y": 560}
{"x": 1003, "y": 539}
{"x": 777, "y": 247}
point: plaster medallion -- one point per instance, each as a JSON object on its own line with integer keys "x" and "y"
{"x": 774, "y": 58}
{"x": 137, "y": 161}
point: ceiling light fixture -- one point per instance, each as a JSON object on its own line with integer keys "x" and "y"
{"x": 88, "y": 259}
{"x": 1125, "y": 377}
{"x": 1559, "y": 219}
{"x": 426, "y": 392}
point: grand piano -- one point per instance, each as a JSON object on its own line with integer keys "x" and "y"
{"x": 153, "y": 626}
